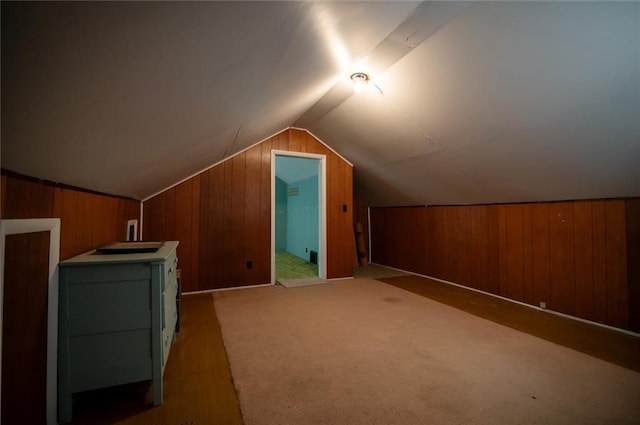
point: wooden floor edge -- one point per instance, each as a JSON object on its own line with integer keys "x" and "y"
{"x": 604, "y": 342}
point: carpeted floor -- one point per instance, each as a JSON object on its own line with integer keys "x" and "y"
{"x": 364, "y": 352}
{"x": 289, "y": 266}
{"x": 607, "y": 344}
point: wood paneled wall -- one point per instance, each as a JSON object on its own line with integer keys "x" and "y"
{"x": 580, "y": 258}
{"x": 632, "y": 216}
{"x": 222, "y": 216}
{"x": 88, "y": 220}
{"x": 24, "y": 328}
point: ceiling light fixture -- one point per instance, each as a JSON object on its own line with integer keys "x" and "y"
{"x": 362, "y": 80}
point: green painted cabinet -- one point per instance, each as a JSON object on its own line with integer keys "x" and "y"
{"x": 117, "y": 319}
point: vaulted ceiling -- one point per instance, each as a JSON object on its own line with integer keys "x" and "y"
{"x": 482, "y": 102}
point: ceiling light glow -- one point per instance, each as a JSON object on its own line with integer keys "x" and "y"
{"x": 362, "y": 81}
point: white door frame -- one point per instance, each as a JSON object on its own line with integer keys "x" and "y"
{"x": 322, "y": 210}
{"x": 52, "y": 225}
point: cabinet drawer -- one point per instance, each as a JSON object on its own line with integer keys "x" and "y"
{"x": 108, "y": 306}
{"x": 109, "y": 359}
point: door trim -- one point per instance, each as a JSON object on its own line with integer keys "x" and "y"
{"x": 322, "y": 209}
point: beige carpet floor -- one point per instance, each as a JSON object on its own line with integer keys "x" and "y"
{"x": 364, "y": 352}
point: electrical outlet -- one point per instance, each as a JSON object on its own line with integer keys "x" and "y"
{"x": 249, "y": 264}
{"x": 543, "y": 304}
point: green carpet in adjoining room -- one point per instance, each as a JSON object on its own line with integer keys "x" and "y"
{"x": 289, "y": 266}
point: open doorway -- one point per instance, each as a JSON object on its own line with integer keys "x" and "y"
{"x": 298, "y": 217}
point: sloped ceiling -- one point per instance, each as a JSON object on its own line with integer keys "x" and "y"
{"x": 482, "y": 102}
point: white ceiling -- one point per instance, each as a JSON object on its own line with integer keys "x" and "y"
{"x": 483, "y": 102}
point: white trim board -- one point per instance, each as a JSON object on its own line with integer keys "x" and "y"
{"x": 533, "y": 307}
{"x": 322, "y": 209}
{"x": 323, "y": 143}
{"x": 259, "y": 285}
{"x": 244, "y": 150}
{"x": 52, "y": 225}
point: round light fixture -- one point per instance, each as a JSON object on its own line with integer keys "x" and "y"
{"x": 360, "y": 80}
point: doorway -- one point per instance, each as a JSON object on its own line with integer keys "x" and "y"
{"x": 298, "y": 220}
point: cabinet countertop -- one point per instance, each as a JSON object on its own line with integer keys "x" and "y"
{"x": 92, "y": 257}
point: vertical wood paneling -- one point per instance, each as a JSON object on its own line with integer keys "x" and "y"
{"x": 41, "y": 200}
{"x": 57, "y": 202}
{"x": 540, "y": 253}
{"x": 234, "y": 215}
{"x": 632, "y": 221}
{"x": 265, "y": 211}
{"x": 192, "y": 283}
{"x": 350, "y": 259}
{"x": 561, "y": 270}
{"x": 617, "y": 291}
{"x": 25, "y": 328}
{"x": 238, "y": 260}
{"x": 527, "y": 254}
{"x": 170, "y": 220}
{"x": 513, "y": 253}
{"x": 219, "y": 229}
{"x": 464, "y": 246}
{"x": 583, "y": 261}
{"x": 88, "y": 220}
{"x": 70, "y": 224}
{"x": 204, "y": 255}
{"x": 18, "y": 200}
{"x": 3, "y": 192}
{"x": 580, "y": 258}
{"x": 451, "y": 231}
{"x": 493, "y": 255}
{"x": 437, "y": 217}
{"x": 283, "y": 140}
{"x": 599, "y": 260}
{"x": 183, "y": 230}
{"x": 155, "y": 219}
{"x": 502, "y": 251}
{"x": 343, "y": 236}
{"x": 294, "y": 141}
{"x": 478, "y": 260}
{"x": 343, "y": 254}
{"x": 252, "y": 203}
{"x": 399, "y": 234}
